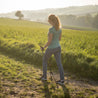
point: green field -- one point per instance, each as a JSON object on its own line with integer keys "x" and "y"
{"x": 21, "y": 60}
{"x": 21, "y": 39}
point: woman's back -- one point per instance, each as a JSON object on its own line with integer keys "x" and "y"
{"x": 55, "y": 40}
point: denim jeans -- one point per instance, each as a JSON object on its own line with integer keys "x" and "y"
{"x": 57, "y": 55}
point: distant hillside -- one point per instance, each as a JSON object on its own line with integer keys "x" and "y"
{"x": 74, "y": 10}
{"x": 41, "y": 15}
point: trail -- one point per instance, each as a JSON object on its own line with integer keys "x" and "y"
{"x": 80, "y": 86}
{"x": 21, "y": 80}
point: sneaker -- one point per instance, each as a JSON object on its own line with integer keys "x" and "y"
{"x": 43, "y": 79}
{"x": 61, "y": 82}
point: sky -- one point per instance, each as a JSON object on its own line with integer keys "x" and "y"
{"x": 14, "y": 5}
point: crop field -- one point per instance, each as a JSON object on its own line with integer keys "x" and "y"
{"x": 79, "y": 48}
{"x": 21, "y": 40}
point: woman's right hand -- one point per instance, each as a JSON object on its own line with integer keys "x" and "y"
{"x": 42, "y": 48}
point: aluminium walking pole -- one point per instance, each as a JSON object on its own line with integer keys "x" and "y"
{"x": 51, "y": 73}
{"x": 42, "y": 49}
{"x": 52, "y": 76}
{"x": 42, "y": 53}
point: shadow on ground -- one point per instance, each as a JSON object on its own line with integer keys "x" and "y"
{"x": 49, "y": 94}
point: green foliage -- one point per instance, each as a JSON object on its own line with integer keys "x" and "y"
{"x": 95, "y": 21}
{"x": 79, "y": 48}
{"x": 81, "y": 21}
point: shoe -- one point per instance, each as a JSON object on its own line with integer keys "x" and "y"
{"x": 61, "y": 82}
{"x": 43, "y": 79}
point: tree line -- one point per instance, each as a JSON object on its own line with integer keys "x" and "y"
{"x": 84, "y": 21}
{"x": 72, "y": 20}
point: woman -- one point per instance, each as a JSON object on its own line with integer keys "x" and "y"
{"x": 54, "y": 36}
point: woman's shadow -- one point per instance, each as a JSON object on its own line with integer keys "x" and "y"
{"x": 48, "y": 93}
{"x": 66, "y": 92}
{"x": 46, "y": 90}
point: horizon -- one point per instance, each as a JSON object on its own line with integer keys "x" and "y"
{"x": 14, "y": 5}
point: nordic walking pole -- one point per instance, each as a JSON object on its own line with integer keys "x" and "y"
{"x": 42, "y": 49}
{"x": 52, "y": 76}
{"x": 51, "y": 73}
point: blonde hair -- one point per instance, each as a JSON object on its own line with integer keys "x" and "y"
{"x": 55, "y": 20}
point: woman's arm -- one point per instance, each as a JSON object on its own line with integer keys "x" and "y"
{"x": 50, "y": 36}
{"x": 60, "y": 36}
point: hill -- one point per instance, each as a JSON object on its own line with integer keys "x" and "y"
{"x": 41, "y": 15}
{"x": 21, "y": 62}
{"x": 79, "y": 48}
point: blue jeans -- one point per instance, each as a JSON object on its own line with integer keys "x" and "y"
{"x": 57, "y": 55}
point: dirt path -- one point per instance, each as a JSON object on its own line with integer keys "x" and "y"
{"x": 21, "y": 80}
{"x": 80, "y": 88}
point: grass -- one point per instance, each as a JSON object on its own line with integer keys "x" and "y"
{"x": 80, "y": 28}
{"x": 21, "y": 60}
{"x": 21, "y": 39}
{"x": 22, "y": 80}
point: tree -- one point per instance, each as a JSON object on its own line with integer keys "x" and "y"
{"x": 19, "y": 14}
{"x": 95, "y": 21}
{"x": 68, "y": 19}
{"x": 89, "y": 20}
